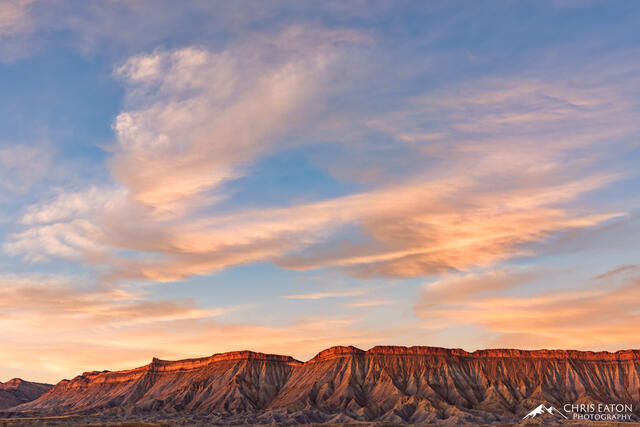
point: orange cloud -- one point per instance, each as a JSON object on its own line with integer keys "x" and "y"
{"x": 322, "y": 295}
{"x": 590, "y": 317}
{"x": 451, "y": 289}
{"x": 371, "y": 303}
{"x": 418, "y": 228}
{"x": 506, "y": 165}
{"x": 53, "y": 328}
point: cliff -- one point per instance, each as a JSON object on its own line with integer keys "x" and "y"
{"x": 342, "y": 384}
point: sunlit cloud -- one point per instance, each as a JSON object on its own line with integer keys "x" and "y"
{"x": 202, "y": 117}
{"x": 65, "y": 302}
{"x": 590, "y": 317}
{"x": 53, "y": 328}
{"x": 322, "y": 295}
{"x": 373, "y": 302}
{"x": 502, "y": 175}
{"x": 451, "y": 289}
{"x": 389, "y": 153}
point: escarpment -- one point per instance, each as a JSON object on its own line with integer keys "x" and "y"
{"x": 17, "y": 391}
{"x": 385, "y": 383}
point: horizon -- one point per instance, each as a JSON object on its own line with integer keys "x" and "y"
{"x": 286, "y": 176}
{"x": 153, "y": 359}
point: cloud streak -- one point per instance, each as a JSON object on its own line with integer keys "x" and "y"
{"x": 305, "y": 138}
{"x": 323, "y": 295}
{"x": 592, "y": 316}
{"x": 54, "y": 328}
{"x": 505, "y": 170}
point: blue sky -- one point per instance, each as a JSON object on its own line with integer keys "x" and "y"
{"x": 287, "y": 176}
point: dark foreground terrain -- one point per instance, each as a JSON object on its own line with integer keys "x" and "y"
{"x": 80, "y": 422}
{"x": 342, "y": 386}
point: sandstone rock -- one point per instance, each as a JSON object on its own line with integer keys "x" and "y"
{"x": 343, "y": 384}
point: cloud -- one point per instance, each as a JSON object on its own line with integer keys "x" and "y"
{"x": 450, "y": 181}
{"x": 67, "y": 206}
{"x": 427, "y": 228}
{"x": 130, "y": 26}
{"x": 370, "y": 303}
{"x": 623, "y": 269}
{"x": 74, "y": 240}
{"x": 21, "y": 166}
{"x": 205, "y": 116}
{"x": 74, "y": 306}
{"x": 594, "y": 316}
{"x": 20, "y": 23}
{"x": 322, "y": 295}
{"x": 451, "y": 289}
{"x": 197, "y": 119}
{"x": 54, "y": 327}
{"x": 418, "y": 230}
{"x": 14, "y": 17}
{"x": 506, "y": 170}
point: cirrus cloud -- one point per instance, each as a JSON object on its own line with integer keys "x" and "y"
{"x": 507, "y": 166}
{"x": 595, "y": 315}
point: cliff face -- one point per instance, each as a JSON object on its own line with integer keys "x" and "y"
{"x": 18, "y": 391}
{"x": 399, "y": 384}
{"x": 230, "y": 382}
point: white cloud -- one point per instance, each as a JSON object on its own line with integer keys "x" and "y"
{"x": 199, "y": 118}
{"x": 196, "y": 119}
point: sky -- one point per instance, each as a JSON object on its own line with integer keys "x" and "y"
{"x": 179, "y": 180}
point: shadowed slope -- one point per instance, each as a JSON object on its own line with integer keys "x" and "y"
{"x": 17, "y": 391}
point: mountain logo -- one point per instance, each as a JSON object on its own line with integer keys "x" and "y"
{"x": 541, "y": 410}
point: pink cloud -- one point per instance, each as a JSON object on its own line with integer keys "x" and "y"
{"x": 54, "y": 328}
{"x": 506, "y": 169}
{"x": 590, "y": 317}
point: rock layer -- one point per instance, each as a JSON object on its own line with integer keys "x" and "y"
{"x": 342, "y": 384}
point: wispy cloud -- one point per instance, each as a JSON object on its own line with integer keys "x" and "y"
{"x": 21, "y": 166}
{"x": 202, "y": 116}
{"x": 373, "y": 302}
{"x": 69, "y": 304}
{"x": 507, "y": 165}
{"x": 14, "y": 17}
{"x": 593, "y": 316}
{"x": 322, "y": 295}
{"x": 418, "y": 157}
{"x": 453, "y": 288}
{"x": 54, "y": 328}
{"x": 623, "y": 269}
